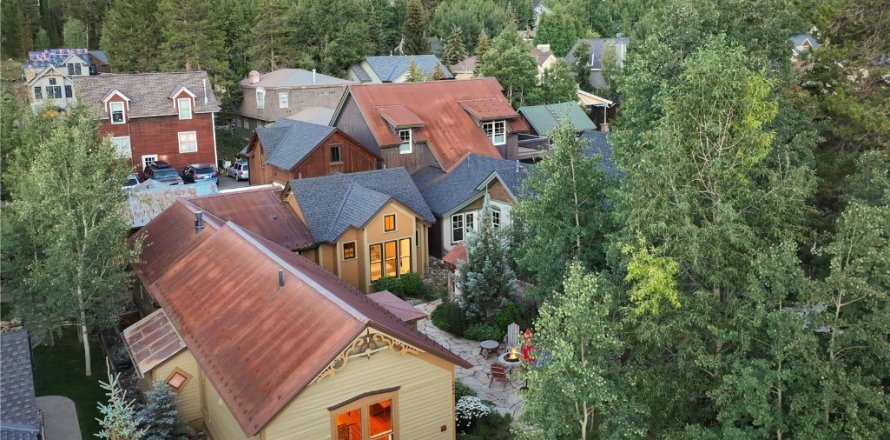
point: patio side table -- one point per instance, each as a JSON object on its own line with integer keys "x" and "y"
{"x": 488, "y": 347}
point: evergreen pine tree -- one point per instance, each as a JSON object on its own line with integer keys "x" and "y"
{"x": 273, "y": 38}
{"x": 119, "y": 415}
{"x": 438, "y": 73}
{"x": 485, "y": 279}
{"x": 159, "y": 415}
{"x": 414, "y": 73}
{"x": 481, "y": 48}
{"x": 414, "y": 29}
{"x": 42, "y": 40}
{"x": 454, "y": 51}
{"x": 125, "y": 28}
{"x": 191, "y": 38}
{"x": 75, "y": 34}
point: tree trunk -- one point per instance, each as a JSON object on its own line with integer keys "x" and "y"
{"x": 88, "y": 366}
{"x": 577, "y": 208}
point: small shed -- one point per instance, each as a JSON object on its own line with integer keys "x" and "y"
{"x": 544, "y": 118}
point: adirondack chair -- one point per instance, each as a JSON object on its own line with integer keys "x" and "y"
{"x": 497, "y": 371}
{"x": 512, "y": 338}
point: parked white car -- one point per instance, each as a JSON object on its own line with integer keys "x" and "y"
{"x": 239, "y": 170}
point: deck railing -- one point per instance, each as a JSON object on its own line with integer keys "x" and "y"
{"x": 534, "y": 142}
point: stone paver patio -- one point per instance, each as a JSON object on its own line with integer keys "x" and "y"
{"x": 504, "y": 395}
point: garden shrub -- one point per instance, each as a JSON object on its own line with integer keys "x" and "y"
{"x": 482, "y": 332}
{"x": 461, "y": 390}
{"x": 512, "y": 312}
{"x": 468, "y": 411}
{"x": 409, "y": 285}
{"x": 450, "y": 317}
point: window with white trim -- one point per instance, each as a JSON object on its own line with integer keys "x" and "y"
{"x": 188, "y": 141}
{"x": 495, "y": 218}
{"x": 148, "y": 159}
{"x": 117, "y": 112}
{"x": 69, "y": 92}
{"x": 390, "y": 258}
{"x": 407, "y": 142}
{"x": 38, "y": 94}
{"x": 496, "y": 131}
{"x": 283, "y": 100}
{"x": 185, "y": 108}
{"x": 457, "y": 228}
{"x": 121, "y": 146}
{"x": 260, "y": 97}
{"x": 74, "y": 69}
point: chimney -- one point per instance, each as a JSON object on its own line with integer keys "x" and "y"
{"x": 517, "y": 165}
{"x": 280, "y": 279}
{"x": 313, "y": 76}
{"x": 204, "y": 83}
{"x": 253, "y": 77}
{"x": 199, "y": 221}
{"x": 604, "y": 127}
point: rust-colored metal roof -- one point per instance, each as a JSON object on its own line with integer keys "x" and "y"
{"x": 489, "y": 109}
{"x": 151, "y": 341}
{"x": 263, "y": 212}
{"x": 397, "y": 306}
{"x": 457, "y": 254}
{"x": 260, "y": 344}
{"x": 400, "y": 116}
{"x": 449, "y": 129}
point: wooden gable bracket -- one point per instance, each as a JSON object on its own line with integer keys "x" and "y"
{"x": 365, "y": 346}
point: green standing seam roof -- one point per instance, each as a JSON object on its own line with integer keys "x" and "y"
{"x": 544, "y": 118}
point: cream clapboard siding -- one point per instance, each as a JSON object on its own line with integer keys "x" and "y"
{"x": 190, "y": 394}
{"x": 219, "y": 420}
{"x": 425, "y": 399}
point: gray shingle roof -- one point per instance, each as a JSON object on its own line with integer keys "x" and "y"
{"x": 331, "y": 204}
{"x": 388, "y": 68}
{"x": 597, "y": 46}
{"x": 149, "y": 93}
{"x": 452, "y": 189}
{"x": 293, "y": 78}
{"x": 799, "y": 39}
{"x": 598, "y": 143}
{"x": 287, "y": 142}
{"x": 18, "y": 406}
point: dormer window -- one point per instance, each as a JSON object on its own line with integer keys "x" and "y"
{"x": 117, "y": 113}
{"x": 407, "y": 145}
{"x": 74, "y": 69}
{"x": 590, "y": 62}
{"x": 496, "y": 131}
{"x": 185, "y": 108}
{"x": 260, "y": 97}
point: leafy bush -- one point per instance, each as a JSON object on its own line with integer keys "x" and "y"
{"x": 468, "y": 411}
{"x": 461, "y": 390}
{"x": 482, "y": 332}
{"x": 512, "y": 312}
{"x": 450, "y": 317}
{"x": 409, "y": 285}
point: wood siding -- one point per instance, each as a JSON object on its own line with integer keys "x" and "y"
{"x": 159, "y": 135}
{"x": 217, "y": 417}
{"x": 425, "y": 398}
{"x": 353, "y": 158}
{"x": 351, "y": 122}
{"x": 189, "y": 396}
{"x": 421, "y": 156}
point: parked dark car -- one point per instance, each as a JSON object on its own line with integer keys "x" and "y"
{"x": 199, "y": 172}
{"x": 162, "y": 172}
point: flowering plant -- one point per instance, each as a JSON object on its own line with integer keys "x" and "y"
{"x": 468, "y": 410}
{"x": 527, "y": 346}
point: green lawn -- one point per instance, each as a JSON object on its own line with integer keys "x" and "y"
{"x": 59, "y": 370}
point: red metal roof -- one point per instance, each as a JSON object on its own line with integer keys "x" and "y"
{"x": 400, "y": 116}
{"x": 260, "y": 344}
{"x": 457, "y": 254}
{"x": 488, "y": 109}
{"x": 263, "y": 212}
{"x": 449, "y": 129}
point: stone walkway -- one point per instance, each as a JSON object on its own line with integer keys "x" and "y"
{"x": 504, "y": 395}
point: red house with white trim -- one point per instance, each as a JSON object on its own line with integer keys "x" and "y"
{"x": 155, "y": 116}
